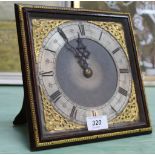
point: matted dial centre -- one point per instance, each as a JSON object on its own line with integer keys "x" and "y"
{"x": 101, "y": 76}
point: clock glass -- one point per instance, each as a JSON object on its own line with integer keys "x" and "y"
{"x": 84, "y": 71}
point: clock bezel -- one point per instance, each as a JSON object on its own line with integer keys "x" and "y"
{"x": 23, "y": 20}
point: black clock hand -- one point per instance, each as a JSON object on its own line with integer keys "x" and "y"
{"x": 83, "y": 53}
{"x": 62, "y": 34}
{"x": 82, "y": 48}
{"x": 68, "y": 45}
{"x": 82, "y": 56}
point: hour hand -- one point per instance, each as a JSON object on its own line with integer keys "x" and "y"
{"x": 82, "y": 48}
{"x": 62, "y": 34}
{"x": 68, "y": 45}
{"x": 82, "y": 55}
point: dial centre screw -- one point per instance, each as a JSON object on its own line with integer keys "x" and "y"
{"x": 87, "y": 72}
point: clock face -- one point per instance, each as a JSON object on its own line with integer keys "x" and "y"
{"x": 84, "y": 71}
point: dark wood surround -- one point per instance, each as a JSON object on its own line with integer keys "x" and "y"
{"x": 28, "y": 14}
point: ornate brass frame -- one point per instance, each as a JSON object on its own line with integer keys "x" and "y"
{"x": 36, "y": 139}
{"x": 129, "y": 114}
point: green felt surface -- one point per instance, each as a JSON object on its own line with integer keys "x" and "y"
{"x": 15, "y": 139}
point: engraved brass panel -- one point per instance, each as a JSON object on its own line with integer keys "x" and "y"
{"x": 53, "y": 120}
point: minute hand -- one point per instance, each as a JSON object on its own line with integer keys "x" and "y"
{"x": 68, "y": 45}
{"x": 78, "y": 54}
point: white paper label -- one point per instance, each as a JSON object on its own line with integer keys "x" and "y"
{"x": 97, "y": 123}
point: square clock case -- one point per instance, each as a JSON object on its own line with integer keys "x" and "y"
{"x": 77, "y": 64}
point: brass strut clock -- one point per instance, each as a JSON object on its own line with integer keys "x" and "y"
{"x": 78, "y": 64}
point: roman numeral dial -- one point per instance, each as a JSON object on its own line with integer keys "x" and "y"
{"x": 55, "y": 96}
{"x": 50, "y": 50}
{"x": 94, "y": 113}
{"x": 81, "y": 29}
{"x": 116, "y": 50}
{"x": 122, "y": 91}
{"x": 75, "y": 97}
{"x": 49, "y": 73}
{"x": 124, "y": 70}
{"x": 73, "y": 112}
{"x": 100, "y": 35}
{"x": 62, "y": 34}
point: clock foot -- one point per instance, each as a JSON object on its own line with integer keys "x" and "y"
{"x": 21, "y": 117}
